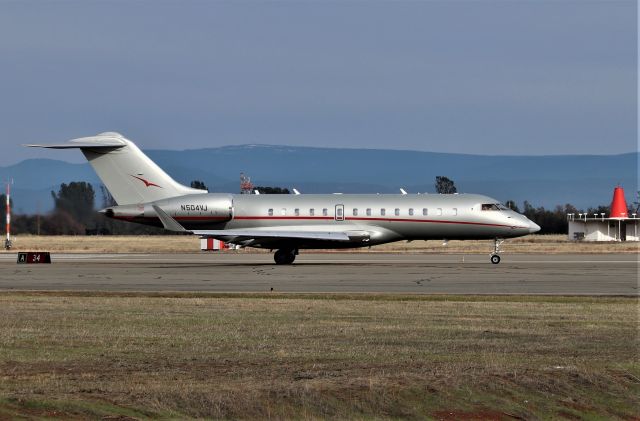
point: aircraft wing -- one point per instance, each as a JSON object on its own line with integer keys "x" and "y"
{"x": 256, "y": 234}
{"x": 246, "y": 234}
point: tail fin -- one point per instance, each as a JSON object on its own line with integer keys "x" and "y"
{"x": 129, "y": 175}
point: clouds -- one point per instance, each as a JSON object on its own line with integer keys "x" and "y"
{"x": 477, "y": 77}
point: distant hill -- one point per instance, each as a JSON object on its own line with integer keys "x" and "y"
{"x": 582, "y": 180}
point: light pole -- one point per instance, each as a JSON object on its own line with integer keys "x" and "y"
{"x": 7, "y": 241}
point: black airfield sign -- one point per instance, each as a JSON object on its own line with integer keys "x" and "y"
{"x": 34, "y": 257}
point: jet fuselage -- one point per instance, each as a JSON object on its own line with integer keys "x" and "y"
{"x": 386, "y": 217}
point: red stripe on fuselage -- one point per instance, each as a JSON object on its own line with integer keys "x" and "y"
{"x": 432, "y": 221}
{"x": 286, "y": 217}
{"x": 348, "y": 218}
{"x": 179, "y": 218}
{"x": 324, "y": 218}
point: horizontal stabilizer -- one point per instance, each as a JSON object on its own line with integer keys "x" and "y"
{"x": 103, "y": 140}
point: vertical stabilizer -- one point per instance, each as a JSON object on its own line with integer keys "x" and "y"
{"x": 129, "y": 175}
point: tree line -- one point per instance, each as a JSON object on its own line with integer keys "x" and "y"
{"x": 74, "y": 212}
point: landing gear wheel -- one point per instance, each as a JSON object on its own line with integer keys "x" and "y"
{"x": 285, "y": 256}
{"x": 495, "y": 259}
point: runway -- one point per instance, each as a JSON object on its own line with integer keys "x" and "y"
{"x": 563, "y": 274}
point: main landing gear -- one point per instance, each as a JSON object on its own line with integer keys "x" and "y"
{"x": 285, "y": 256}
{"x": 495, "y": 258}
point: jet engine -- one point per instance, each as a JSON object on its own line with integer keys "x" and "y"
{"x": 194, "y": 210}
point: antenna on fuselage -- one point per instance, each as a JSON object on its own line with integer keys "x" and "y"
{"x": 403, "y": 191}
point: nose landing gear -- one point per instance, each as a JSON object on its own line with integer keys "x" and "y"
{"x": 495, "y": 258}
{"x": 285, "y": 256}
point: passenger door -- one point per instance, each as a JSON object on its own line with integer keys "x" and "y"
{"x": 339, "y": 215}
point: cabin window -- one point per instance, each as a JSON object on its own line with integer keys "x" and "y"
{"x": 397, "y": 211}
{"x": 383, "y": 211}
{"x": 312, "y": 212}
{"x": 325, "y": 212}
{"x": 425, "y": 211}
{"x": 410, "y": 211}
{"x": 270, "y": 212}
{"x": 296, "y": 212}
{"x": 455, "y": 211}
{"x": 339, "y": 212}
{"x": 355, "y": 211}
{"x": 283, "y": 211}
{"x": 439, "y": 211}
{"x": 368, "y": 211}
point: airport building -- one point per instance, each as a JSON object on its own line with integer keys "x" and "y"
{"x": 618, "y": 226}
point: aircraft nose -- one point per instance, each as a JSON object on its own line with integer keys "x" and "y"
{"x": 533, "y": 227}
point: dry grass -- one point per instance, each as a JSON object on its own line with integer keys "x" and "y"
{"x": 188, "y": 244}
{"x": 289, "y": 356}
{"x": 108, "y": 243}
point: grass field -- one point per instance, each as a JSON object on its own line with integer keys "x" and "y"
{"x": 77, "y": 356}
{"x": 189, "y": 244}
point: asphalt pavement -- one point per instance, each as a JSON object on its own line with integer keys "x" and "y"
{"x": 561, "y": 274}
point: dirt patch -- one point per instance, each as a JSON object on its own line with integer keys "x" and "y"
{"x": 478, "y": 415}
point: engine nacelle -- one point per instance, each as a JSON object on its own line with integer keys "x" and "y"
{"x": 188, "y": 210}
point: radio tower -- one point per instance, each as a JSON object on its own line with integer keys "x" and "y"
{"x": 246, "y": 187}
{"x": 7, "y": 241}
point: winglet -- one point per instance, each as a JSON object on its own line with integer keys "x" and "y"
{"x": 168, "y": 222}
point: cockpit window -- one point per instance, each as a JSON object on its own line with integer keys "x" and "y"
{"x": 492, "y": 207}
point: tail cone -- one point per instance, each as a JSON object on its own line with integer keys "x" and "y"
{"x": 618, "y": 204}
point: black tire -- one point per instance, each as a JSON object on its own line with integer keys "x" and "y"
{"x": 279, "y": 257}
{"x": 284, "y": 256}
{"x": 495, "y": 259}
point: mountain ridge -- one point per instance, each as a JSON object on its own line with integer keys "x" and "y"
{"x": 272, "y": 146}
{"x": 547, "y": 180}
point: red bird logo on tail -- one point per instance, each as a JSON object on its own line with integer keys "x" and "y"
{"x": 146, "y": 182}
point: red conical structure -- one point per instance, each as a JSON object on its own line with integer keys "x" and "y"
{"x": 618, "y": 204}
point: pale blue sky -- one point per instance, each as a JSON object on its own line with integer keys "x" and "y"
{"x": 489, "y": 77}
